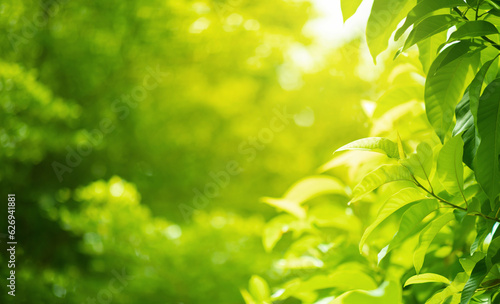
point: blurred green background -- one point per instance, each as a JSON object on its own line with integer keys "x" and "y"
{"x": 116, "y": 115}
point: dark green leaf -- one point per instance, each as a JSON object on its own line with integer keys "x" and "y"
{"x": 477, "y": 276}
{"x": 473, "y": 29}
{"x": 465, "y": 126}
{"x": 488, "y": 128}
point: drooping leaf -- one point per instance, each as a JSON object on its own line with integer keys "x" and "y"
{"x": 426, "y": 278}
{"x": 422, "y": 10}
{"x": 393, "y": 204}
{"x": 383, "y": 21}
{"x": 374, "y": 144}
{"x": 387, "y": 293}
{"x": 378, "y": 177}
{"x": 349, "y": 7}
{"x": 472, "y": 29}
{"x": 446, "y": 86}
{"x": 488, "y": 127}
{"x": 477, "y": 276}
{"x": 410, "y": 220}
{"x": 428, "y": 28}
{"x": 450, "y": 169}
{"x": 426, "y": 237}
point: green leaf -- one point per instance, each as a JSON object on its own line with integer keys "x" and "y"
{"x": 422, "y": 10}
{"x": 374, "y": 144}
{"x": 473, "y": 29}
{"x": 465, "y": 126}
{"x": 304, "y": 190}
{"x": 488, "y": 128}
{"x": 429, "y": 27}
{"x": 426, "y": 237}
{"x": 446, "y": 86}
{"x": 401, "y": 150}
{"x": 387, "y": 293}
{"x": 426, "y": 278}
{"x": 483, "y": 228}
{"x": 349, "y": 7}
{"x": 420, "y": 163}
{"x": 274, "y": 230}
{"x": 378, "y": 177}
{"x": 383, "y": 21}
{"x": 259, "y": 289}
{"x": 477, "y": 276}
{"x": 476, "y": 86}
{"x": 428, "y": 50}
{"x": 450, "y": 169}
{"x": 247, "y": 297}
{"x": 348, "y": 279}
{"x": 393, "y": 204}
{"x": 410, "y": 220}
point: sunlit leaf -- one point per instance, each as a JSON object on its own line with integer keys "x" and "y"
{"x": 378, "y": 177}
{"x": 426, "y": 278}
{"x": 383, "y": 21}
{"x": 449, "y": 165}
{"x": 393, "y": 204}
{"x": 428, "y": 49}
{"x": 349, "y": 7}
{"x": 420, "y": 163}
{"x": 304, "y": 190}
{"x": 274, "y": 230}
{"x": 411, "y": 219}
{"x": 446, "y": 86}
{"x": 428, "y": 28}
{"x": 259, "y": 288}
{"x": 423, "y": 9}
{"x": 374, "y": 144}
{"x": 387, "y": 293}
{"x": 426, "y": 237}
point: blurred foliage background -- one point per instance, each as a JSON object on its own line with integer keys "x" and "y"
{"x": 115, "y": 114}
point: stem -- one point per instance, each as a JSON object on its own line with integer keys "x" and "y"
{"x": 496, "y": 219}
{"x": 437, "y": 197}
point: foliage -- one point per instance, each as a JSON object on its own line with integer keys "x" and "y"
{"x": 424, "y": 210}
{"x": 125, "y": 199}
